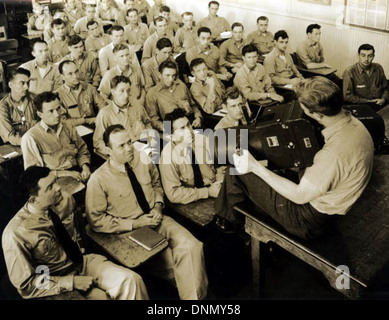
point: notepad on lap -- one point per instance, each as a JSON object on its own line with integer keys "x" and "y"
{"x": 147, "y": 237}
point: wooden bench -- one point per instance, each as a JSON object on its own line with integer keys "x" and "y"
{"x": 358, "y": 240}
{"x": 200, "y": 212}
{"x": 121, "y": 248}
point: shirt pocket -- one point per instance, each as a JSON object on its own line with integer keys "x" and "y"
{"x": 47, "y": 251}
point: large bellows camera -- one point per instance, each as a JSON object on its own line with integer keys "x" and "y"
{"x": 285, "y": 136}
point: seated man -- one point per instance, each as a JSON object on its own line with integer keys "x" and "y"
{"x": 124, "y": 67}
{"x": 43, "y": 233}
{"x": 339, "y": 174}
{"x": 186, "y": 166}
{"x": 151, "y": 41}
{"x": 209, "y": 52}
{"x": 153, "y": 12}
{"x": 125, "y": 194}
{"x": 38, "y": 20}
{"x": 53, "y": 144}
{"x": 121, "y": 110}
{"x": 96, "y": 39}
{"x": 207, "y": 90}
{"x": 135, "y": 32}
{"x": 238, "y": 111}
{"x": 143, "y": 8}
{"x": 171, "y": 26}
{"x": 44, "y": 74}
{"x": 74, "y": 11}
{"x": 17, "y": 109}
{"x": 186, "y": 35}
{"x": 80, "y": 28}
{"x": 79, "y": 98}
{"x": 170, "y": 93}
{"x": 107, "y": 59}
{"x": 280, "y": 67}
{"x": 122, "y": 15}
{"x": 163, "y": 52}
{"x": 261, "y": 38}
{"x": 59, "y": 14}
{"x": 231, "y": 50}
{"x": 58, "y": 44}
{"x": 108, "y": 11}
{"x": 213, "y": 21}
{"x": 365, "y": 82}
{"x": 86, "y": 62}
{"x": 252, "y": 79}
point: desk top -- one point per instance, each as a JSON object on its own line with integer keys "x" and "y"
{"x": 359, "y": 240}
{"x": 123, "y": 249}
{"x": 319, "y": 71}
{"x": 8, "y": 148}
{"x": 31, "y": 37}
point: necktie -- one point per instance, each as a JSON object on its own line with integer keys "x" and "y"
{"x": 198, "y": 178}
{"x": 71, "y": 248}
{"x": 140, "y": 196}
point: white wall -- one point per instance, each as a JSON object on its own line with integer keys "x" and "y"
{"x": 340, "y": 42}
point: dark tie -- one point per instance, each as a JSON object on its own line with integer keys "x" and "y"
{"x": 140, "y": 196}
{"x": 198, "y": 178}
{"x": 71, "y": 248}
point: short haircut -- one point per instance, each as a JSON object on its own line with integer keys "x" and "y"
{"x": 111, "y": 130}
{"x": 321, "y": 95}
{"x": 248, "y": 48}
{"x": 37, "y": 42}
{"x": 164, "y": 43}
{"x": 187, "y": 13}
{"x": 73, "y": 40}
{"x": 91, "y": 23}
{"x": 44, "y": 97}
{"x": 164, "y": 9}
{"x": 30, "y": 178}
{"x": 174, "y": 115}
{"x": 119, "y": 47}
{"x": 168, "y": 64}
{"x": 159, "y": 19}
{"x": 231, "y": 93}
{"x": 115, "y": 28}
{"x": 262, "y": 18}
{"x": 203, "y": 29}
{"x": 119, "y": 79}
{"x": 62, "y": 64}
{"x": 281, "y": 34}
{"x": 213, "y": 2}
{"x": 196, "y": 62}
{"x": 132, "y": 10}
{"x": 237, "y": 24}
{"x": 57, "y": 22}
{"x": 312, "y": 26}
{"x": 367, "y": 47}
{"x": 21, "y": 71}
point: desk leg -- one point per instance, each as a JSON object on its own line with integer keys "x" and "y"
{"x": 255, "y": 260}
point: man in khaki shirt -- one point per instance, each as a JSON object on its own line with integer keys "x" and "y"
{"x": 135, "y": 32}
{"x": 121, "y": 110}
{"x": 169, "y": 94}
{"x": 213, "y": 21}
{"x": 186, "y": 36}
{"x": 53, "y": 144}
{"x": 182, "y": 182}
{"x": 33, "y": 238}
{"x": 44, "y": 74}
{"x": 86, "y": 62}
{"x": 261, "y": 38}
{"x": 96, "y": 39}
{"x": 58, "y": 44}
{"x": 231, "y": 50}
{"x": 17, "y": 109}
{"x": 125, "y": 194}
{"x": 252, "y": 80}
{"x": 81, "y": 28}
{"x": 171, "y": 27}
{"x": 150, "y": 68}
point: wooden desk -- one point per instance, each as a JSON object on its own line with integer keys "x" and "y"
{"x": 8, "y": 148}
{"x": 31, "y": 37}
{"x": 320, "y": 71}
{"x": 358, "y": 240}
{"x": 123, "y": 249}
{"x": 201, "y": 212}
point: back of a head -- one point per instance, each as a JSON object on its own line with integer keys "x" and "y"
{"x": 30, "y": 178}
{"x": 44, "y": 97}
{"x": 320, "y": 95}
{"x": 231, "y": 93}
{"x": 164, "y": 43}
{"x": 18, "y": 71}
{"x": 177, "y": 113}
{"x": 111, "y": 130}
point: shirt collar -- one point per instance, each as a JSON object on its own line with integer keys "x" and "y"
{"x": 116, "y": 166}
{"x": 116, "y": 109}
{"x": 310, "y": 44}
{"x": 361, "y": 70}
{"x": 247, "y": 68}
{"x": 331, "y": 130}
{"x": 47, "y": 128}
{"x": 162, "y": 87}
{"x": 122, "y": 73}
{"x": 81, "y": 86}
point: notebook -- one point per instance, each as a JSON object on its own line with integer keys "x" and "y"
{"x": 147, "y": 237}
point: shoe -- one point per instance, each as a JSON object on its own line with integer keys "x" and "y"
{"x": 226, "y": 226}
